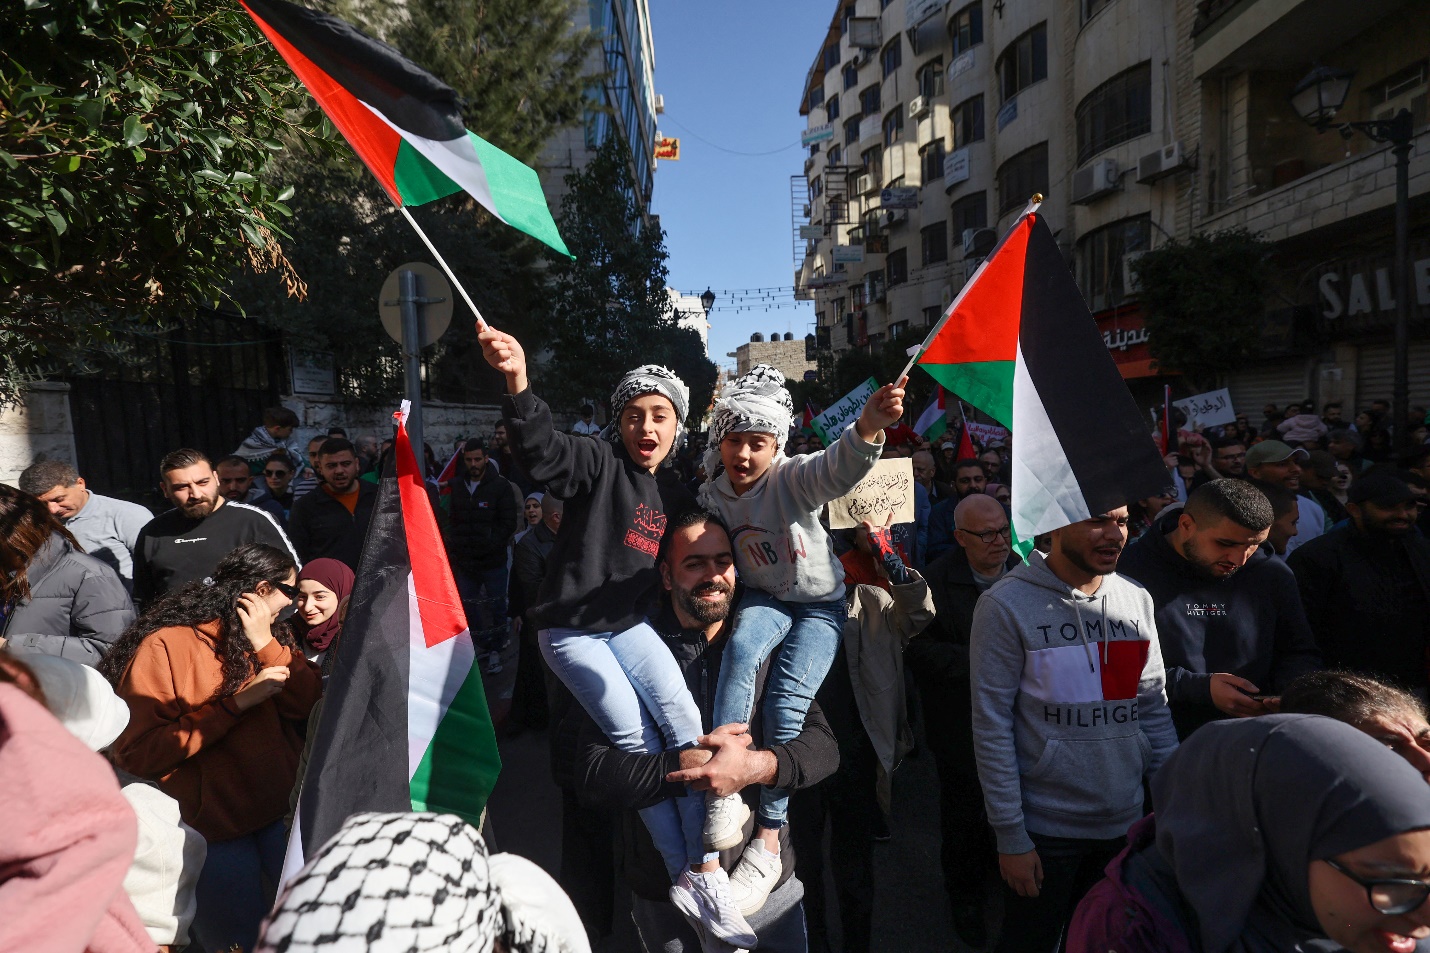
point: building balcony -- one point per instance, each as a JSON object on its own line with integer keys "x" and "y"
{"x": 1336, "y": 192}
{"x": 1234, "y": 35}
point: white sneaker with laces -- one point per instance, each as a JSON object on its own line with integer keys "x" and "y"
{"x": 725, "y": 819}
{"x": 494, "y": 666}
{"x": 704, "y": 899}
{"x": 753, "y": 878}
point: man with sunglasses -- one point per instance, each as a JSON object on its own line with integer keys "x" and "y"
{"x": 939, "y": 661}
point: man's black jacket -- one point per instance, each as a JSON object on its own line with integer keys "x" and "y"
{"x": 322, "y": 527}
{"x": 1250, "y": 624}
{"x": 1368, "y": 600}
{"x": 938, "y": 658}
{"x": 605, "y": 778}
{"x": 482, "y": 521}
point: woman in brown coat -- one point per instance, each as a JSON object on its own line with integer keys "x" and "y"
{"x": 219, "y": 693}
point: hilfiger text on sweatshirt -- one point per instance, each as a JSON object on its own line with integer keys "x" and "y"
{"x": 1090, "y": 684}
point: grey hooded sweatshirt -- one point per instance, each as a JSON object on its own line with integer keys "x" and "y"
{"x": 1069, "y": 705}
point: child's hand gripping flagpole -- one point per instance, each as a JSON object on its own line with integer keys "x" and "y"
{"x": 1033, "y": 204}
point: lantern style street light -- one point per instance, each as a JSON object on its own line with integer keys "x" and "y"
{"x": 707, "y": 300}
{"x": 1317, "y": 99}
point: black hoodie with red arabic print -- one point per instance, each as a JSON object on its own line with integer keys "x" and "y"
{"x": 601, "y": 575}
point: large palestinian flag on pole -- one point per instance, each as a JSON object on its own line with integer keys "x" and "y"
{"x": 402, "y": 121}
{"x": 1019, "y": 344}
{"x": 404, "y": 725}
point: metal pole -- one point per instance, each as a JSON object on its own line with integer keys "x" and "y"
{"x": 1400, "y": 393}
{"x": 409, "y": 298}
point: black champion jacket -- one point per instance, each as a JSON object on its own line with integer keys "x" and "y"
{"x": 605, "y": 778}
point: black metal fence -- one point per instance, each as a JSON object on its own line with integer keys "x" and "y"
{"x": 203, "y": 384}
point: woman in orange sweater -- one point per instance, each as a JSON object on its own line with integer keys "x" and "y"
{"x": 219, "y": 693}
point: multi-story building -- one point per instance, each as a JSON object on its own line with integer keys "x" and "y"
{"x": 690, "y": 312}
{"x": 1140, "y": 120}
{"x": 782, "y": 352}
{"x": 626, "y": 95}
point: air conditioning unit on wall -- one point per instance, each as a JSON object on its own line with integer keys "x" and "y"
{"x": 918, "y": 106}
{"x": 893, "y": 216}
{"x": 864, "y": 184}
{"x": 1164, "y": 162}
{"x": 1094, "y": 181}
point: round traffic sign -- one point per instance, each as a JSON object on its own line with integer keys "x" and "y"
{"x": 436, "y": 309}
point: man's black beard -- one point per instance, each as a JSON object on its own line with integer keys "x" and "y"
{"x": 706, "y": 613}
{"x": 1076, "y": 558}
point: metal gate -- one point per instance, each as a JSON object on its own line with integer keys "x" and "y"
{"x": 201, "y": 384}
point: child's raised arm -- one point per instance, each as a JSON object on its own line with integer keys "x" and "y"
{"x": 883, "y": 409}
{"x": 567, "y": 465}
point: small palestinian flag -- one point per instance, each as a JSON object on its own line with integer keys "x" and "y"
{"x": 1019, "y": 344}
{"x": 402, "y": 121}
{"x": 934, "y": 420}
{"x": 404, "y": 725}
{"x": 449, "y": 473}
{"x": 806, "y": 422}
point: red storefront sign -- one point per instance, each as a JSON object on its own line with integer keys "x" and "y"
{"x": 1124, "y": 331}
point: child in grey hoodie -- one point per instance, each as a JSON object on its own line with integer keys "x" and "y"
{"x": 794, "y": 597}
{"x": 1069, "y": 712}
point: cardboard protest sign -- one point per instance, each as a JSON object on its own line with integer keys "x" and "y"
{"x": 843, "y": 412}
{"x": 890, "y": 487}
{"x": 1212, "y": 409}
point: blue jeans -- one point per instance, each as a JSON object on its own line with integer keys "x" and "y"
{"x": 237, "y": 886}
{"x": 633, "y": 689}
{"x": 485, "y": 616}
{"x": 807, "y": 635}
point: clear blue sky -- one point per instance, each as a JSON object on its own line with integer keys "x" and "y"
{"x": 732, "y": 73}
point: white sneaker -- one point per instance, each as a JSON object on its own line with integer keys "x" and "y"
{"x": 725, "y": 819}
{"x": 494, "y": 665}
{"x": 704, "y": 899}
{"x": 753, "y": 878}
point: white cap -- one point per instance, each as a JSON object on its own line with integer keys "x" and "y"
{"x": 81, "y": 699}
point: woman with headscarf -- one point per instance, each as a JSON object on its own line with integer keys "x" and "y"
{"x": 1000, "y": 492}
{"x": 602, "y": 582}
{"x": 324, "y": 586}
{"x": 530, "y": 514}
{"x": 1272, "y": 834}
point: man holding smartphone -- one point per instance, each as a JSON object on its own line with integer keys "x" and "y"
{"x": 1233, "y": 630}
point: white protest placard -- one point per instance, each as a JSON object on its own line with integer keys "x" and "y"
{"x": 843, "y": 412}
{"x": 1212, "y": 409}
{"x": 890, "y": 488}
{"x": 984, "y": 433}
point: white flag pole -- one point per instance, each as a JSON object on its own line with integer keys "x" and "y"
{"x": 443, "y": 262}
{"x": 1033, "y": 204}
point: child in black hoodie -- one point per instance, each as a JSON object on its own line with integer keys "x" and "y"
{"x": 602, "y": 583}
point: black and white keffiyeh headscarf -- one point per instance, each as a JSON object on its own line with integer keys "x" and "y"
{"x": 756, "y": 402}
{"x": 413, "y": 883}
{"x": 647, "y": 379}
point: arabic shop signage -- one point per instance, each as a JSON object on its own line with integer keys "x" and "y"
{"x": 1124, "y": 331}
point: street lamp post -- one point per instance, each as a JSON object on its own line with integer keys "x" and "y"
{"x": 1317, "y": 99}
{"x": 707, "y": 301}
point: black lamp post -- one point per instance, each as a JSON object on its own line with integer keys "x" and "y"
{"x": 1317, "y": 99}
{"x": 707, "y": 301}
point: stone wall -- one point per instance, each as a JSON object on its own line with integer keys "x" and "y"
{"x": 443, "y": 423}
{"x": 40, "y": 425}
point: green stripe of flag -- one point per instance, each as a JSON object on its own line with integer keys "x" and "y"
{"x": 516, "y": 192}
{"x": 987, "y": 385}
{"x": 461, "y": 764}
{"x": 418, "y": 180}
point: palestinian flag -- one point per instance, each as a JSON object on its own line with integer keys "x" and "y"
{"x": 402, "y": 121}
{"x": 1019, "y": 344}
{"x": 404, "y": 725}
{"x": 449, "y": 473}
{"x": 806, "y": 423}
{"x": 934, "y": 420}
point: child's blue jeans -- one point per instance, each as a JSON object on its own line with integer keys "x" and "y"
{"x": 807, "y": 635}
{"x": 633, "y": 688}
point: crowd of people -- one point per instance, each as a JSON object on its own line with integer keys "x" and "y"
{"x": 1114, "y": 716}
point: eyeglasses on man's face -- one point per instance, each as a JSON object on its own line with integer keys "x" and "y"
{"x": 1005, "y": 531}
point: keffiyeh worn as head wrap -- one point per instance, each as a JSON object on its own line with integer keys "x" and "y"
{"x": 413, "y": 883}
{"x": 647, "y": 379}
{"x": 756, "y": 402}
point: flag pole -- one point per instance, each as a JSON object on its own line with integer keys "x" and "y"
{"x": 441, "y": 261}
{"x": 1033, "y": 205}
